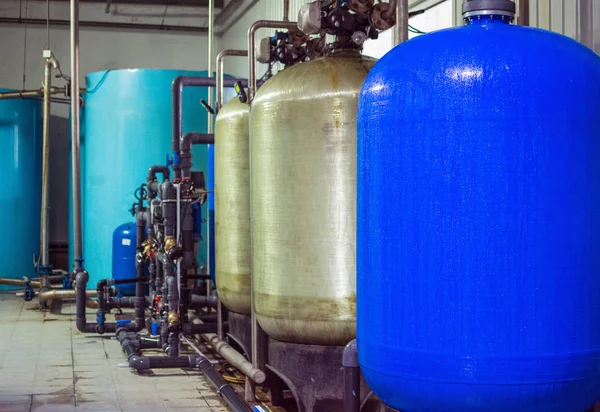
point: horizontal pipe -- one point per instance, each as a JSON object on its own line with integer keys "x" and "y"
{"x": 107, "y": 25}
{"x": 19, "y": 282}
{"x": 62, "y": 294}
{"x": 201, "y": 276}
{"x": 199, "y": 301}
{"x": 199, "y": 328}
{"x": 231, "y": 355}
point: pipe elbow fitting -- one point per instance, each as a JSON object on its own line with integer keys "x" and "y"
{"x": 81, "y": 323}
{"x": 138, "y": 362}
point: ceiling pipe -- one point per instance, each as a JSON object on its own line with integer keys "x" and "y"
{"x": 107, "y": 25}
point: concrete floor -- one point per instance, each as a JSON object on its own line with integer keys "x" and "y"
{"x": 46, "y": 365}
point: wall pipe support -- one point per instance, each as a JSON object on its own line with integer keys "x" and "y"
{"x": 220, "y": 72}
{"x": 261, "y": 24}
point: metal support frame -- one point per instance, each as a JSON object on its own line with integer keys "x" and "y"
{"x": 261, "y": 24}
{"x": 221, "y": 73}
{"x": 252, "y": 88}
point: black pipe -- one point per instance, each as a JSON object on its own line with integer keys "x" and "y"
{"x": 351, "y": 378}
{"x": 208, "y": 318}
{"x": 154, "y": 170}
{"x": 177, "y": 88}
{"x": 126, "y": 302}
{"x": 169, "y": 209}
{"x": 224, "y": 389}
{"x": 200, "y": 328}
{"x": 139, "y": 302}
{"x": 199, "y": 277}
{"x": 131, "y": 346}
{"x": 185, "y": 150}
{"x": 146, "y": 343}
{"x": 200, "y": 301}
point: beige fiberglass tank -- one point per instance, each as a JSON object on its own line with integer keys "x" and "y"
{"x": 303, "y": 156}
{"x": 232, "y": 208}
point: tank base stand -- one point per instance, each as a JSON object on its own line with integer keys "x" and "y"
{"x": 314, "y": 376}
{"x": 240, "y": 332}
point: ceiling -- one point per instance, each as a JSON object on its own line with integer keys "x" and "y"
{"x": 190, "y": 3}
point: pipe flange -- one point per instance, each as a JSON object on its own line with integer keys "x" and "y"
{"x": 360, "y": 6}
{"x": 378, "y": 17}
{"x": 472, "y": 8}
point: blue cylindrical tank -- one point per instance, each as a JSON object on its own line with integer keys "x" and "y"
{"x": 478, "y": 222}
{"x": 127, "y": 129}
{"x": 123, "y": 256}
{"x": 20, "y": 151}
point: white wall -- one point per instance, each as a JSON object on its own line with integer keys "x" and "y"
{"x": 578, "y": 19}
{"x": 100, "y": 50}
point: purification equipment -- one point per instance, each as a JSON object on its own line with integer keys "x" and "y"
{"x": 478, "y": 194}
{"x": 232, "y": 215}
{"x": 127, "y": 128}
{"x": 303, "y": 131}
{"x": 20, "y": 147}
{"x": 123, "y": 256}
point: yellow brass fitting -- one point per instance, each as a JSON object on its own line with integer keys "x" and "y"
{"x": 170, "y": 243}
{"x": 173, "y": 318}
{"x": 149, "y": 246}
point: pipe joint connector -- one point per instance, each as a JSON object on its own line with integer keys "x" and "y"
{"x": 350, "y": 355}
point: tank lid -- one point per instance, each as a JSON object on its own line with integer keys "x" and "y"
{"x": 472, "y": 8}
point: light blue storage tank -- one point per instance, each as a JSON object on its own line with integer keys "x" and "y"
{"x": 127, "y": 129}
{"x": 478, "y": 234}
{"x": 20, "y": 165}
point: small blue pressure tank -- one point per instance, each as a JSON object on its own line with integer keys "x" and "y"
{"x": 478, "y": 229}
{"x": 123, "y": 256}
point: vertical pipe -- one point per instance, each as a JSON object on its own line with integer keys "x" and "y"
{"x": 219, "y": 81}
{"x": 523, "y": 19}
{"x": 286, "y": 10}
{"x": 260, "y": 24}
{"x": 401, "y": 30}
{"x": 211, "y": 40}
{"x": 221, "y": 72}
{"x": 44, "y": 234}
{"x": 75, "y": 138}
{"x": 252, "y": 86}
